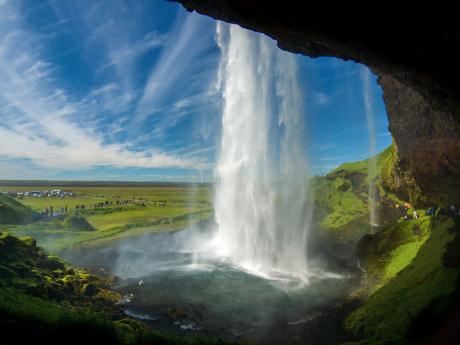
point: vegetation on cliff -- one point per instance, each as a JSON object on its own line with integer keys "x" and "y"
{"x": 397, "y": 183}
{"x": 341, "y": 198}
{"x": 43, "y": 299}
{"x": 407, "y": 280}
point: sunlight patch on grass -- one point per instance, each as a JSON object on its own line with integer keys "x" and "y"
{"x": 389, "y": 312}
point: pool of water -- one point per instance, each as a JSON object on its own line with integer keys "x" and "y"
{"x": 173, "y": 283}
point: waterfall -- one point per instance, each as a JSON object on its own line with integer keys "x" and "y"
{"x": 261, "y": 201}
{"x": 372, "y": 168}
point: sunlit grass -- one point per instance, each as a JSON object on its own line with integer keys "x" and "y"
{"x": 409, "y": 277}
{"x": 184, "y": 206}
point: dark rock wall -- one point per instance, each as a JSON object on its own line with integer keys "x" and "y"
{"x": 428, "y": 142}
{"x": 419, "y": 72}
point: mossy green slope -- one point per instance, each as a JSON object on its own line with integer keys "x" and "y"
{"x": 384, "y": 254}
{"x": 44, "y": 300}
{"x": 396, "y": 183}
{"x": 13, "y": 212}
{"x": 341, "y": 197}
{"x": 406, "y": 278}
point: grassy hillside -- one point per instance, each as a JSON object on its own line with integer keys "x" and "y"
{"x": 407, "y": 288}
{"x": 407, "y": 280}
{"x": 13, "y": 212}
{"x": 44, "y": 300}
{"x": 341, "y": 198}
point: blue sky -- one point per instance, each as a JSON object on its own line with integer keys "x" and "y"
{"x": 124, "y": 90}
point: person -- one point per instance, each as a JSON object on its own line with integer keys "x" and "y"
{"x": 415, "y": 215}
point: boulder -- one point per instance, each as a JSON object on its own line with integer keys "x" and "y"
{"x": 89, "y": 290}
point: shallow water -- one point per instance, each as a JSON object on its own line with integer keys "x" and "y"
{"x": 216, "y": 296}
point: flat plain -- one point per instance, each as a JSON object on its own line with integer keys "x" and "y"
{"x": 113, "y": 211}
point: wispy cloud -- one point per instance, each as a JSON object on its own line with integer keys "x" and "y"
{"x": 180, "y": 60}
{"x": 124, "y": 54}
{"x": 322, "y": 98}
{"x": 41, "y": 123}
{"x": 325, "y": 146}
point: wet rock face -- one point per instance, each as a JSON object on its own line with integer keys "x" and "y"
{"x": 428, "y": 141}
{"x": 419, "y": 74}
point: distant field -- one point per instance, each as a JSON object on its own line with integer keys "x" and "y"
{"x": 130, "y": 210}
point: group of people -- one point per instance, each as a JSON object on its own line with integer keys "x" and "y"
{"x": 404, "y": 208}
{"x": 451, "y": 211}
{"x": 160, "y": 203}
{"x": 103, "y": 204}
{"x": 125, "y": 201}
{"x": 119, "y": 202}
{"x": 50, "y": 211}
{"x": 47, "y": 212}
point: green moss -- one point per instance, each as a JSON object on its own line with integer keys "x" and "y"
{"x": 342, "y": 196}
{"x": 351, "y": 167}
{"x": 387, "y": 252}
{"x": 395, "y": 181}
{"x": 108, "y": 296}
{"x": 342, "y": 203}
{"x": 413, "y": 283}
{"x": 47, "y": 300}
{"x": 341, "y": 199}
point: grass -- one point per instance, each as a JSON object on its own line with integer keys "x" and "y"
{"x": 343, "y": 205}
{"x": 13, "y": 212}
{"x": 184, "y": 206}
{"x": 387, "y": 252}
{"x": 412, "y": 279}
{"x": 396, "y": 183}
{"x": 55, "y": 238}
{"x": 342, "y": 197}
{"x": 27, "y": 319}
{"x": 44, "y": 300}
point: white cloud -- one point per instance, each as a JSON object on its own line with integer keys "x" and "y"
{"x": 127, "y": 52}
{"x": 40, "y": 123}
{"x": 325, "y": 146}
{"x": 322, "y": 98}
{"x": 178, "y": 62}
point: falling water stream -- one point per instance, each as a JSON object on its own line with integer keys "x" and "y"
{"x": 261, "y": 202}
{"x": 372, "y": 166}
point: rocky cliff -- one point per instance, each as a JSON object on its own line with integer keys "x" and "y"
{"x": 418, "y": 70}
